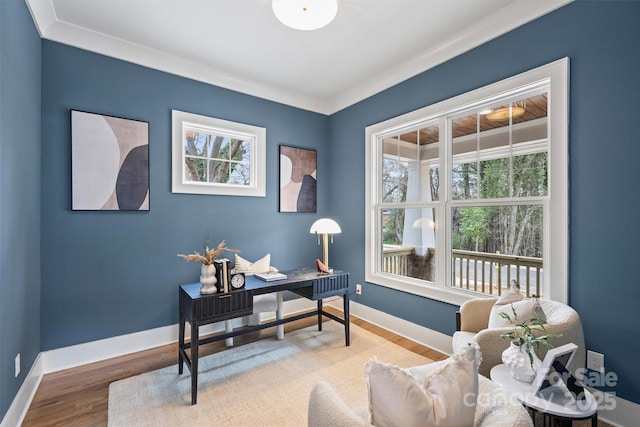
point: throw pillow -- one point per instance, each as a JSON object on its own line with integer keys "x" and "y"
{"x": 247, "y": 267}
{"x": 512, "y": 295}
{"x": 446, "y": 397}
{"x": 525, "y": 309}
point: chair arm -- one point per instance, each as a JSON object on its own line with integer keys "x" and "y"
{"x": 570, "y": 332}
{"x": 327, "y": 409}
{"x": 495, "y": 408}
{"x": 491, "y": 347}
{"x": 474, "y": 314}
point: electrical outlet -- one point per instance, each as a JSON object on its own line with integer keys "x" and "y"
{"x": 17, "y": 365}
{"x": 359, "y": 289}
{"x": 595, "y": 361}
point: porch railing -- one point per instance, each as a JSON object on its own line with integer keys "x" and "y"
{"x": 395, "y": 259}
{"x": 491, "y": 273}
{"x": 483, "y": 272}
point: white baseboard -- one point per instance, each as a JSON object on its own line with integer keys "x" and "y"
{"x": 616, "y": 411}
{"x": 424, "y": 336}
{"x": 95, "y": 351}
{"x": 18, "y": 409}
{"x": 621, "y": 413}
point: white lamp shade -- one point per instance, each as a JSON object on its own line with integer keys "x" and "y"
{"x": 305, "y": 15}
{"x": 325, "y": 226}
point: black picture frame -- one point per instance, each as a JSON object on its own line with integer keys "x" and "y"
{"x": 298, "y": 180}
{"x": 554, "y": 370}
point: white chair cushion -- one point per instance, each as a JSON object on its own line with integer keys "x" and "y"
{"x": 444, "y": 396}
{"x": 461, "y": 340}
{"x": 264, "y": 303}
{"x": 512, "y": 300}
{"x": 494, "y": 407}
{"x": 512, "y": 295}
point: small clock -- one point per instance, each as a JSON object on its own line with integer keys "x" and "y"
{"x": 237, "y": 280}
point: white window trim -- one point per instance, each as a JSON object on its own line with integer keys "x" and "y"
{"x": 556, "y": 232}
{"x": 257, "y": 137}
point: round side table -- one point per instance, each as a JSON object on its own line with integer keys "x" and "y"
{"x": 553, "y": 403}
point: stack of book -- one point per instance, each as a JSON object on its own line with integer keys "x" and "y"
{"x": 222, "y": 274}
{"x": 269, "y": 277}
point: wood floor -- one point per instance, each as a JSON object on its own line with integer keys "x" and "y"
{"x": 78, "y": 397}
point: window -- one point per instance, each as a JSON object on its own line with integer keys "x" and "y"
{"x": 213, "y": 156}
{"x": 470, "y": 194}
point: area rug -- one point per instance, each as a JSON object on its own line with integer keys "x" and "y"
{"x": 265, "y": 383}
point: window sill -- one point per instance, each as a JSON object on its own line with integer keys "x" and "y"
{"x": 434, "y": 292}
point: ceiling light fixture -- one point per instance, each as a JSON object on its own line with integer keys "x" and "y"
{"x": 305, "y": 15}
{"x": 515, "y": 110}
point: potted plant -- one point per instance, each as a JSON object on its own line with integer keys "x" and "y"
{"x": 526, "y": 338}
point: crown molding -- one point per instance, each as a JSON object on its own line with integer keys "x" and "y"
{"x": 504, "y": 20}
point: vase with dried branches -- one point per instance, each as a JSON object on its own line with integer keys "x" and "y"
{"x": 208, "y": 278}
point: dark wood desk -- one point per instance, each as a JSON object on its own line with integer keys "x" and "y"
{"x": 200, "y": 310}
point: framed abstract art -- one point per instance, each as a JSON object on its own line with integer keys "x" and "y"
{"x": 298, "y": 169}
{"x": 109, "y": 163}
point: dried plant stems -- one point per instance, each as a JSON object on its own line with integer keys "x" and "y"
{"x": 209, "y": 256}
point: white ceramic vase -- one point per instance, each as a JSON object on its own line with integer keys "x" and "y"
{"x": 208, "y": 279}
{"x": 517, "y": 360}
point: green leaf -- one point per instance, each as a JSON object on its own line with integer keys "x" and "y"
{"x": 515, "y": 315}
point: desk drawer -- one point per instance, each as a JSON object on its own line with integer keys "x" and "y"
{"x": 325, "y": 287}
{"x": 328, "y": 284}
{"x": 223, "y": 306}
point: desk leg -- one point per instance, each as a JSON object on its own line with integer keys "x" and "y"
{"x": 180, "y": 344}
{"x": 194, "y": 361}
{"x": 320, "y": 315}
{"x": 347, "y": 333}
{"x": 279, "y": 315}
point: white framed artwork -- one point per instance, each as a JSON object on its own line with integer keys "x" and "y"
{"x": 217, "y": 157}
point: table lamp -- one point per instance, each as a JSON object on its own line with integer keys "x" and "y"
{"x": 325, "y": 226}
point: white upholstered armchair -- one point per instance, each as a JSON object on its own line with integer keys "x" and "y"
{"x": 493, "y": 408}
{"x": 472, "y": 325}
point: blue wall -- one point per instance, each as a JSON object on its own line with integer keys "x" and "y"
{"x": 601, "y": 39}
{"x": 19, "y": 196}
{"x": 112, "y": 273}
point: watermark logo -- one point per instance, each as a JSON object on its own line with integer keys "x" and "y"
{"x": 597, "y": 379}
{"x": 558, "y": 394}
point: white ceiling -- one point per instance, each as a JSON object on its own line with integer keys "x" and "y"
{"x": 240, "y": 45}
